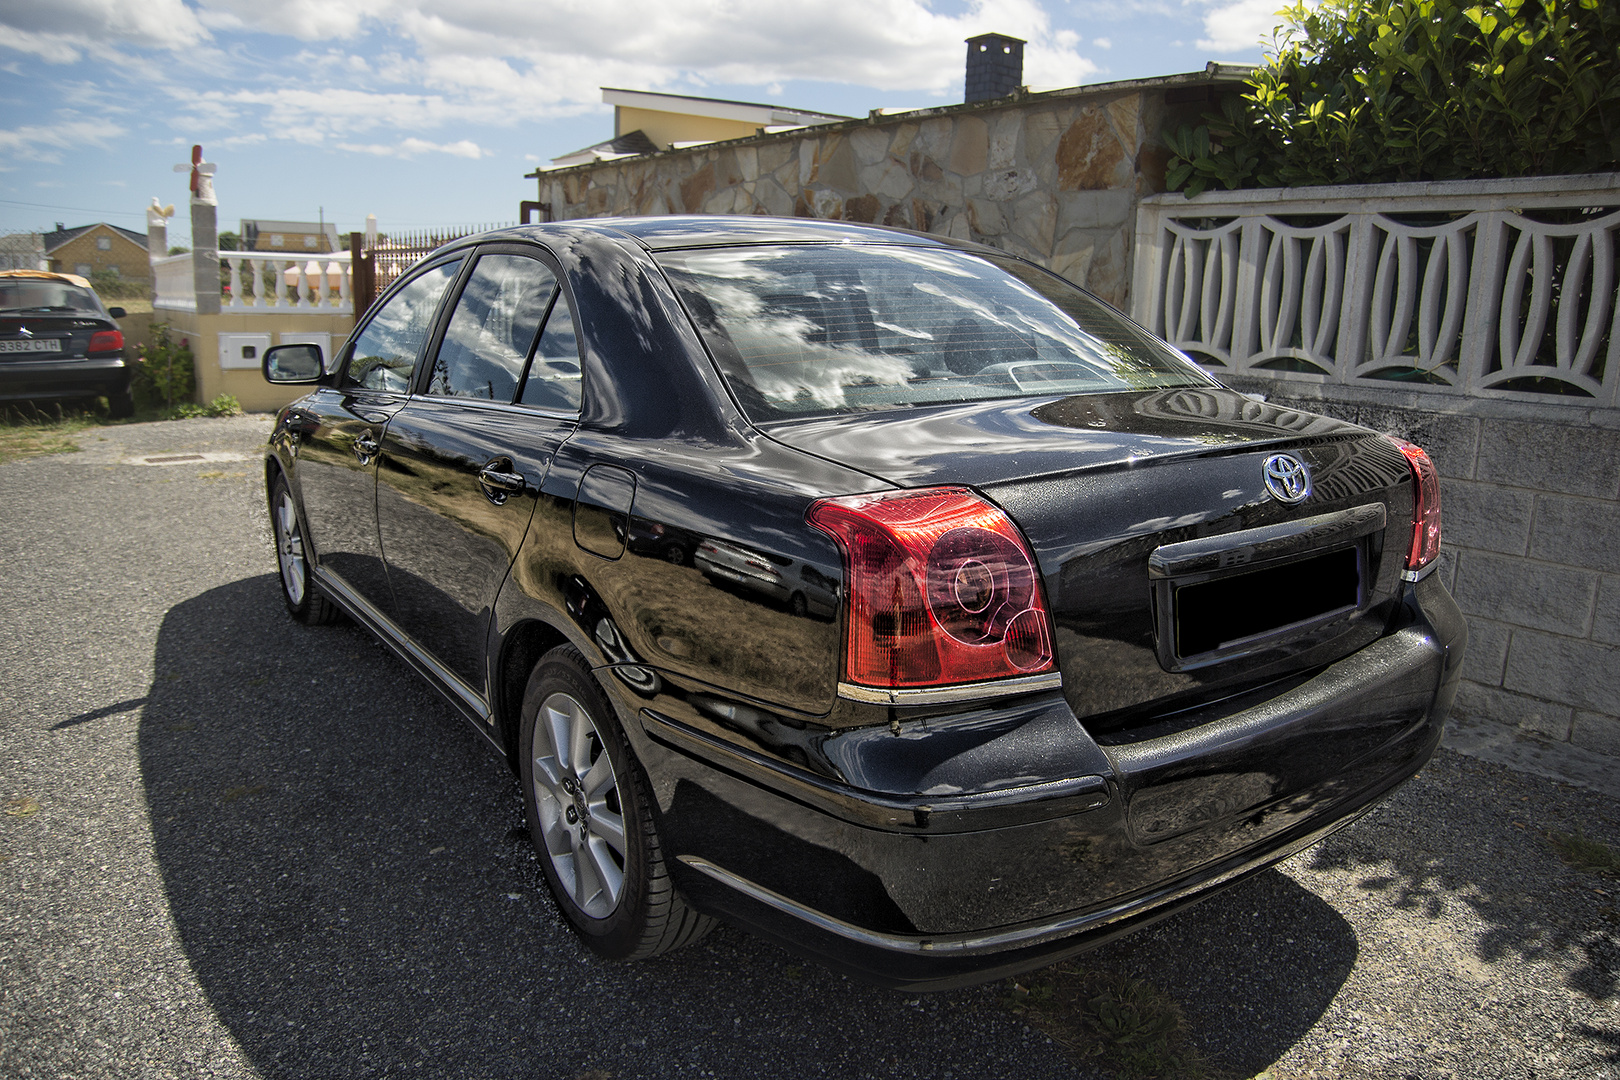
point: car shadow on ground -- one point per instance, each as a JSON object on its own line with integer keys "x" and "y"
{"x": 348, "y": 874}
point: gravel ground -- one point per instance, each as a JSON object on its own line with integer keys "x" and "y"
{"x": 239, "y": 847}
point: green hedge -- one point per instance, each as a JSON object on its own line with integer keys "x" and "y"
{"x": 1372, "y": 91}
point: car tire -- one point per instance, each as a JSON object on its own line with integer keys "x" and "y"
{"x": 590, "y": 818}
{"x": 798, "y": 605}
{"x": 304, "y": 601}
{"x": 121, "y": 406}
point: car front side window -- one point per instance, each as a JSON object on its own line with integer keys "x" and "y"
{"x": 384, "y": 355}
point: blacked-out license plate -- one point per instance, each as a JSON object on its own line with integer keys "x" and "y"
{"x": 1218, "y": 613}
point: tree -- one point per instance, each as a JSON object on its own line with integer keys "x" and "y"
{"x": 1370, "y": 91}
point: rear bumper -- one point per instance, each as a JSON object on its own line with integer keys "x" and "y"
{"x": 40, "y": 379}
{"x": 994, "y": 862}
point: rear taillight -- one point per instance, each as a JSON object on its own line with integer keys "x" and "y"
{"x": 941, "y": 587}
{"x": 105, "y": 341}
{"x": 1425, "y": 507}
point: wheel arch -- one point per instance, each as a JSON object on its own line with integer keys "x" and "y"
{"x": 522, "y": 647}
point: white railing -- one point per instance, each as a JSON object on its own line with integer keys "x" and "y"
{"x": 255, "y": 283}
{"x": 264, "y": 284}
{"x": 174, "y": 285}
{"x": 1496, "y": 288}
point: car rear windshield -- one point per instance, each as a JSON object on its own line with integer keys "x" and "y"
{"x": 802, "y": 330}
{"x": 41, "y": 294}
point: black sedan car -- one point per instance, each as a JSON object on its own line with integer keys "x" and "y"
{"x": 58, "y": 342}
{"x": 1089, "y": 634}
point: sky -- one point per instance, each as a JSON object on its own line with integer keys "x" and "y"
{"x": 430, "y": 112}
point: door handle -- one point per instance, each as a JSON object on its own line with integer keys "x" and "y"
{"x": 365, "y": 448}
{"x": 499, "y": 481}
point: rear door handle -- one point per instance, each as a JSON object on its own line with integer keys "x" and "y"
{"x": 499, "y": 481}
{"x": 365, "y": 448}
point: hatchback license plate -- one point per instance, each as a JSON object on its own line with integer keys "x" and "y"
{"x": 32, "y": 345}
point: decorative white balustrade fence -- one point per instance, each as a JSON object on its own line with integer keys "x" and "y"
{"x": 1501, "y": 288}
{"x": 172, "y": 282}
{"x": 255, "y": 283}
{"x": 260, "y": 283}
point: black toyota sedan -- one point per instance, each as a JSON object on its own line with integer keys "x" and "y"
{"x": 888, "y": 596}
{"x": 58, "y": 342}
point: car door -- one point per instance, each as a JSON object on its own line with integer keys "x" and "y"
{"x": 463, "y": 459}
{"x": 340, "y": 433}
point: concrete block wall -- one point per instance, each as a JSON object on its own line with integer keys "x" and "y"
{"x": 1530, "y": 518}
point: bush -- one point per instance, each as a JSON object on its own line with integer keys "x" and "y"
{"x": 1372, "y": 91}
{"x": 166, "y": 373}
{"x": 223, "y": 405}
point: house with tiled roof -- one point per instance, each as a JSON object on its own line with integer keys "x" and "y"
{"x": 88, "y": 250}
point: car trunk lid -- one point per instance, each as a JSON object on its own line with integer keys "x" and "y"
{"x": 1175, "y": 577}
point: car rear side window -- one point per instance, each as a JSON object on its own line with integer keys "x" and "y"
{"x": 554, "y": 379}
{"x": 493, "y": 329}
{"x": 831, "y": 329}
{"x": 384, "y": 355}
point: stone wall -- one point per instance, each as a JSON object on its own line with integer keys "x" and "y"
{"x": 1053, "y": 177}
{"x": 1530, "y": 520}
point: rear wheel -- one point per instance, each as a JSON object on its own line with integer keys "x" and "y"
{"x": 121, "y": 406}
{"x": 590, "y": 819}
{"x": 304, "y": 602}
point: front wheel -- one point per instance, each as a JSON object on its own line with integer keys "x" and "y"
{"x": 590, "y": 820}
{"x": 304, "y": 602}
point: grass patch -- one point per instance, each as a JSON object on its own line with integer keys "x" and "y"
{"x": 26, "y": 431}
{"x": 1127, "y": 1026}
{"x": 22, "y": 806}
{"x": 1582, "y": 853}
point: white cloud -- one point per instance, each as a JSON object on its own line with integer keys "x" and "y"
{"x": 1102, "y": 43}
{"x": 888, "y": 44}
{"x": 413, "y": 147}
{"x": 418, "y": 67}
{"x": 307, "y": 20}
{"x": 1239, "y": 26}
{"x": 35, "y": 142}
{"x": 60, "y": 31}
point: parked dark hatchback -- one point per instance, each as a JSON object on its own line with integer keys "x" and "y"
{"x": 57, "y": 342}
{"x": 888, "y": 596}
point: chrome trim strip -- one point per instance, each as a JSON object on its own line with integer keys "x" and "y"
{"x": 943, "y": 695}
{"x": 969, "y": 944}
{"x": 465, "y": 696}
{"x": 1419, "y": 575}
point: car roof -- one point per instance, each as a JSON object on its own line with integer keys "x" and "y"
{"x": 48, "y": 275}
{"x": 716, "y": 230}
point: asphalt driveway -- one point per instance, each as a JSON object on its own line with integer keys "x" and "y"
{"x": 234, "y": 846}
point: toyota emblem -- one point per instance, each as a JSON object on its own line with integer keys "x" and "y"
{"x": 1287, "y": 478}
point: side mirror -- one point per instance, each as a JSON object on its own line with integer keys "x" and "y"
{"x": 294, "y": 365}
{"x": 117, "y": 312}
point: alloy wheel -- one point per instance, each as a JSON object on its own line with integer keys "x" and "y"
{"x": 580, "y": 810}
{"x": 290, "y": 548}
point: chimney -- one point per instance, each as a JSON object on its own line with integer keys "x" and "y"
{"x": 995, "y": 67}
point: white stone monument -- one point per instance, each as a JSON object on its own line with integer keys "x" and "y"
{"x": 204, "y": 231}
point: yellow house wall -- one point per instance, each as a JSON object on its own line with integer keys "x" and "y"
{"x": 665, "y": 128}
{"x": 129, "y": 257}
{"x": 245, "y": 384}
{"x": 292, "y": 243}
